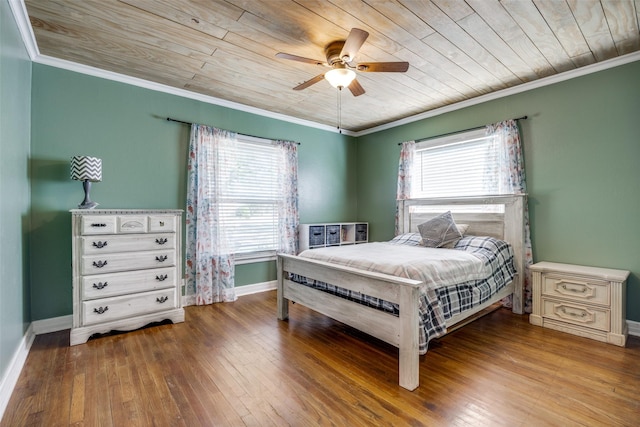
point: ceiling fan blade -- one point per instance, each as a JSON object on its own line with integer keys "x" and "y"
{"x": 370, "y": 67}
{"x": 308, "y": 83}
{"x": 353, "y": 43}
{"x": 355, "y": 88}
{"x": 283, "y": 55}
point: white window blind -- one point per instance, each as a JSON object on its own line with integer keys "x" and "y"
{"x": 249, "y": 196}
{"x": 465, "y": 164}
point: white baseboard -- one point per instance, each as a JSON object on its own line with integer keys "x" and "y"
{"x": 54, "y": 324}
{"x": 188, "y": 300}
{"x": 10, "y": 378}
{"x": 633, "y": 328}
{"x": 256, "y": 287}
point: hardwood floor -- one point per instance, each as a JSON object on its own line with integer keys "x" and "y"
{"x": 234, "y": 364}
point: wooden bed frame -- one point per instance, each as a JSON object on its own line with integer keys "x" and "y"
{"x": 402, "y": 331}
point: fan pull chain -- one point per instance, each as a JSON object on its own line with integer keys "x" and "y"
{"x": 340, "y": 109}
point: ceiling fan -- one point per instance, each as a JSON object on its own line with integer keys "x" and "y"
{"x": 340, "y": 58}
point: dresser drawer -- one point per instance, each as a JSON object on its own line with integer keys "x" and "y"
{"x": 162, "y": 224}
{"x": 126, "y": 243}
{"x": 98, "y": 224}
{"x": 108, "y": 285}
{"x": 107, "y": 263}
{"x": 576, "y": 289}
{"x": 132, "y": 224}
{"x": 107, "y": 309}
{"x": 577, "y": 314}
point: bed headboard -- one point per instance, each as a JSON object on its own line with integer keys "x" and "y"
{"x": 497, "y": 216}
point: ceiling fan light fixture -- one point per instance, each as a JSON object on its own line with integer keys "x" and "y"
{"x": 340, "y": 77}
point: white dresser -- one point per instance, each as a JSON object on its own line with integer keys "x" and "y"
{"x": 585, "y": 301}
{"x": 126, "y": 270}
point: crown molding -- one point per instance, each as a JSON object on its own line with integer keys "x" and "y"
{"x": 545, "y": 81}
{"x": 22, "y": 19}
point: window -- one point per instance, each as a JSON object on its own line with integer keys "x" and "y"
{"x": 464, "y": 164}
{"x": 249, "y": 197}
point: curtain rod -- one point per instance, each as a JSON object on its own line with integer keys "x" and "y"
{"x": 459, "y": 131}
{"x": 169, "y": 119}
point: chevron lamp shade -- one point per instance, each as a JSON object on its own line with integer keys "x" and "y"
{"x": 86, "y": 168}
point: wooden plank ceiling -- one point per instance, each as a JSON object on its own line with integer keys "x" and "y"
{"x": 457, "y": 49}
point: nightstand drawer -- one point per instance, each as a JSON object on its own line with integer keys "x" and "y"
{"x": 576, "y": 289}
{"x": 577, "y": 314}
{"x": 127, "y": 243}
{"x": 107, "y": 263}
{"x": 108, "y": 285}
{"x": 107, "y": 309}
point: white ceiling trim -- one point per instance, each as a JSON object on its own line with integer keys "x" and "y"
{"x": 22, "y": 20}
{"x": 546, "y": 81}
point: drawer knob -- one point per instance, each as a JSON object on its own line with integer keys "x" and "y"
{"x": 100, "y": 285}
{"x": 100, "y": 224}
{"x": 101, "y": 310}
{"x": 161, "y": 258}
{"x": 162, "y": 299}
{"x": 100, "y": 244}
{"x": 99, "y": 264}
{"x": 161, "y": 241}
{"x": 162, "y": 278}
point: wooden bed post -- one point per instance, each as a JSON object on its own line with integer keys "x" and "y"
{"x": 409, "y": 368}
{"x": 514, "y": 234}
{"x": 283, "y": 303}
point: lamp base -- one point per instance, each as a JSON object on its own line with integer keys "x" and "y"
{"x": 88, "y": 205}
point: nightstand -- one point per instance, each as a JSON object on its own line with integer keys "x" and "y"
{"x": 585, "y": 301}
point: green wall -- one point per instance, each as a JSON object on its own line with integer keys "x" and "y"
{"x": 144, "y": 166}
{"x": 15, "y": 107}
{"x": 581, "y": 149}
{"x": 580, "y": 140}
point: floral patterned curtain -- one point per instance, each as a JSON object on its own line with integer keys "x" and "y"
{"x": 209, "y": 263}
{"x": 405, "y": 174}
{"x": 513, "y": 182}
{"x": 288, "y": 218}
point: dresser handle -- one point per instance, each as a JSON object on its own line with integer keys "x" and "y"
{"x": 573, "y": 314}
{"x": 99, "y": 224}
{"x": 101, "y": 310}
{"x": 162, "y": 278}
{"x": 99, "y": 264}
{"x": 574, "y": 290}
{"x": 161, "y": 258}
{"x": 161, "y": 241}
{"x": 100, "y": 285}
{"x": 162, "y": 299}
{"x": 100, "y": 244}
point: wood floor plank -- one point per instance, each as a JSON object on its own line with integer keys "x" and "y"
{"x": 234, "y": 364}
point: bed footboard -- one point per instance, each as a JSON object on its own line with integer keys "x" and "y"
{"x": 401, "y": 331}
